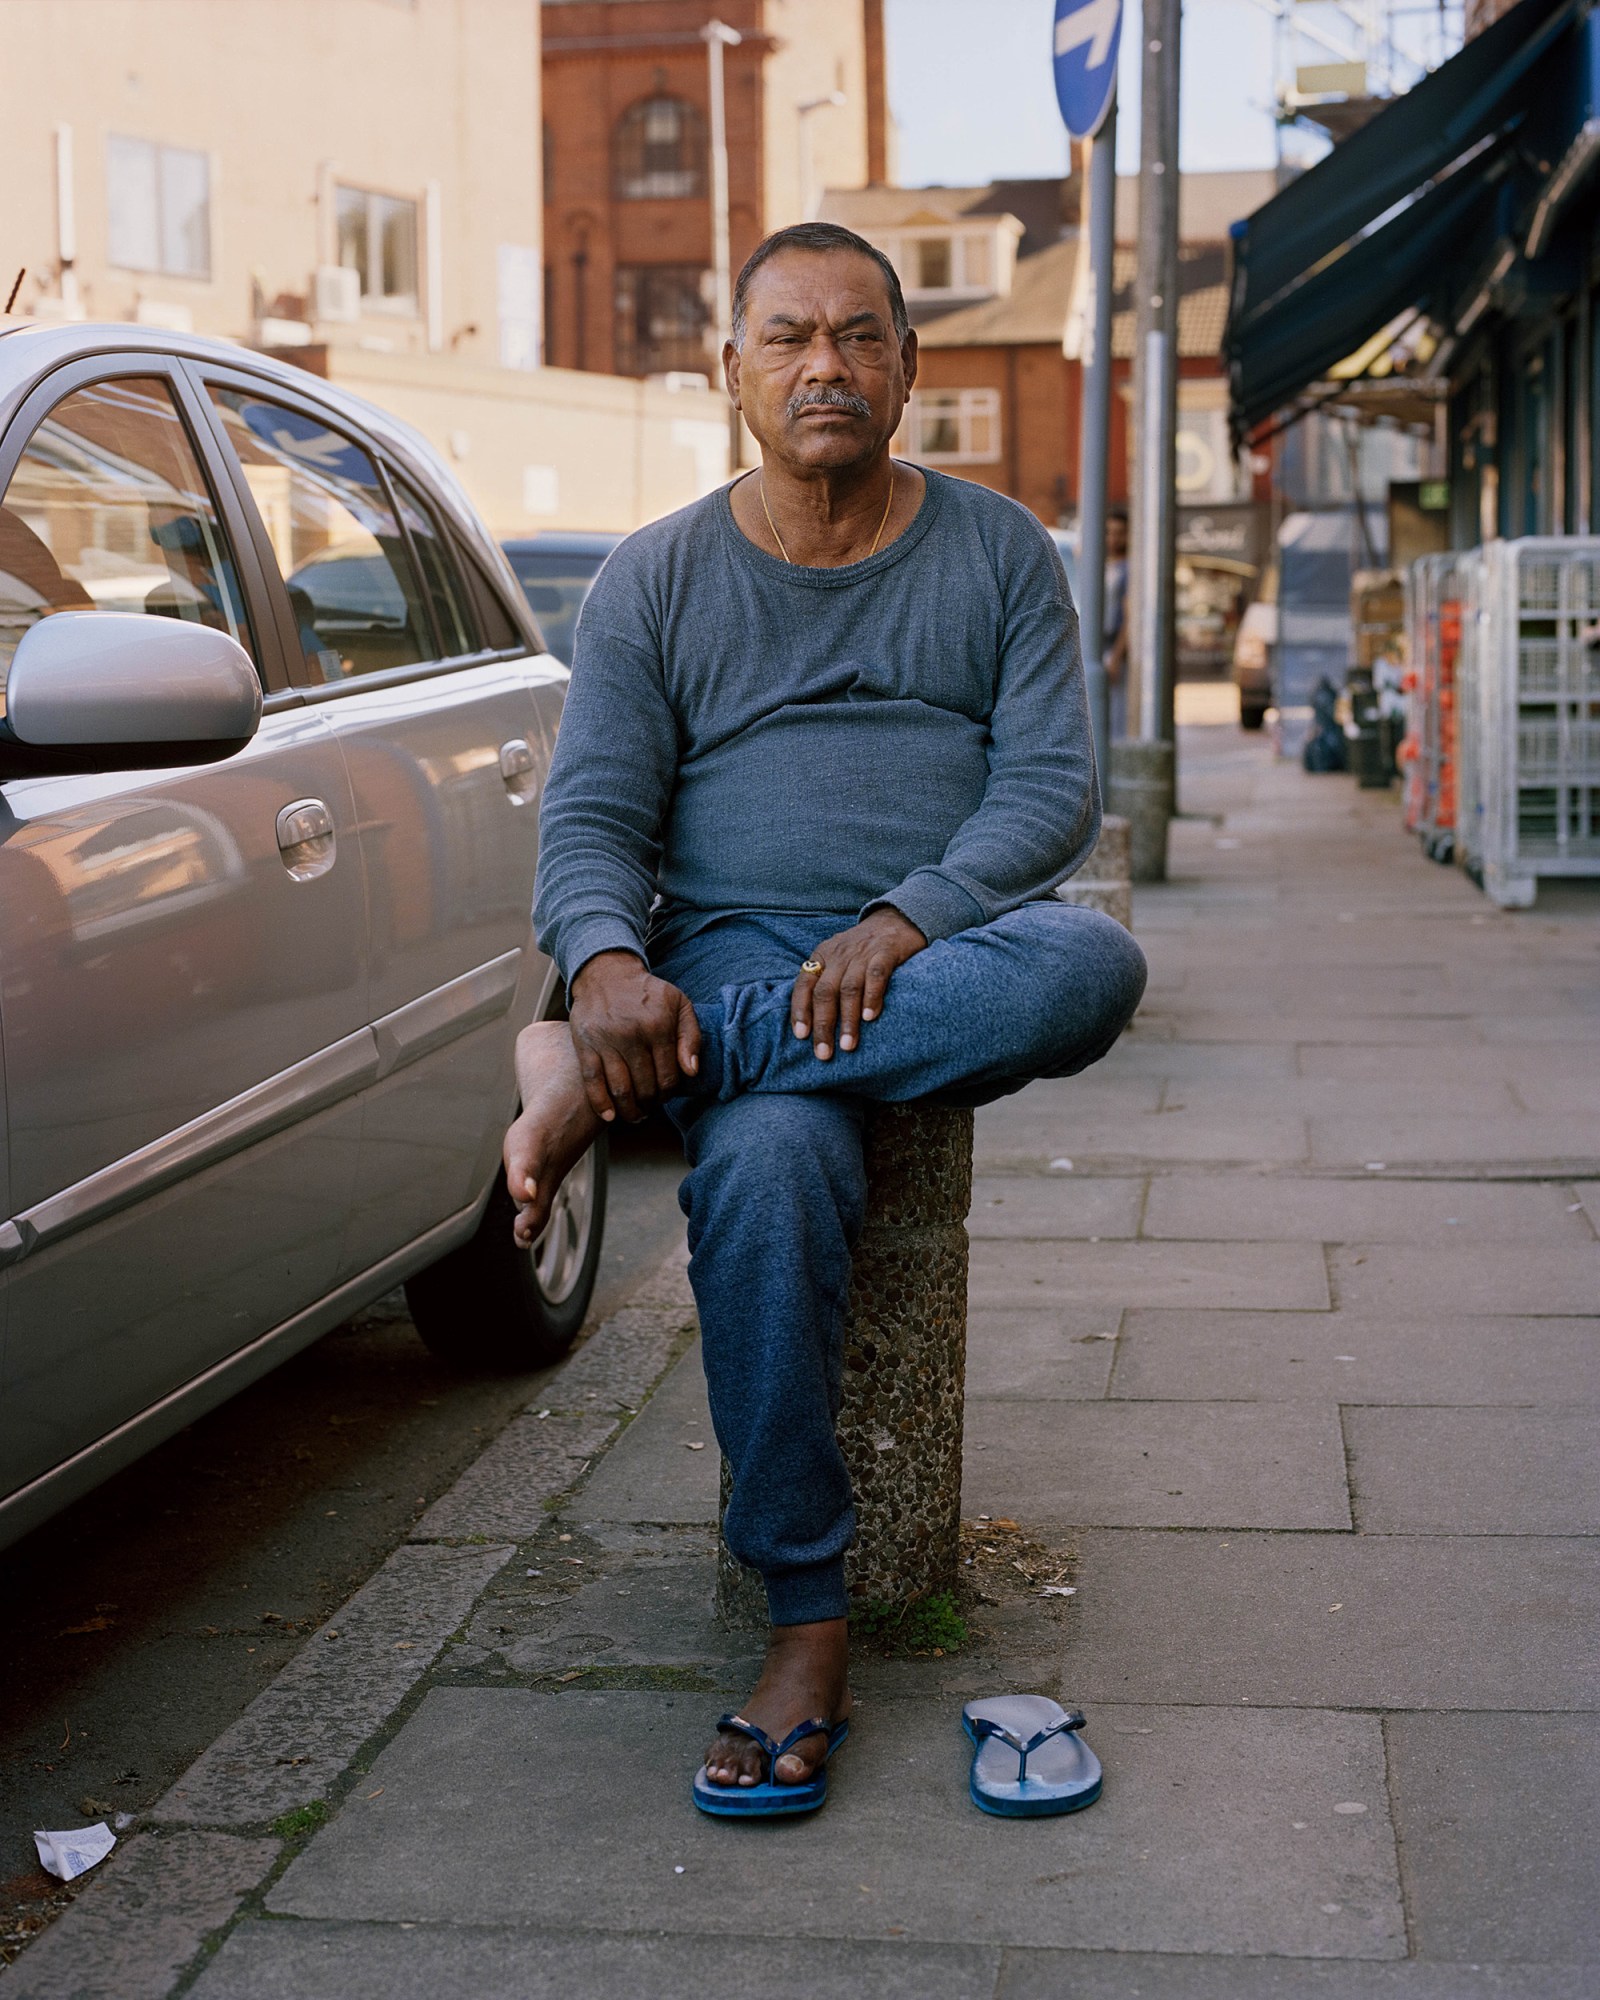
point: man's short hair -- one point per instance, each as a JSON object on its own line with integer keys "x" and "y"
{"x": 817, "y": 236}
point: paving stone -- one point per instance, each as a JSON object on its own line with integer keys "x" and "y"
{"x": 1347, "y": 1357}
{"x": 1396, "y": 1097}
{"x": 1395, "y": 1031}
{"x": 1516, "y": 1138}
{"x": 1444, "y": 1066}
{"x": 1588, "y": 1194}
{"x": 1064, "y": 1351}
{"x": 1446, "y": 1622}
{"x": 332, "y": 1961}
{"x": 650, "y": 1474}
{"x": 294, "y": 1740}
{"x": 1261, "y": 1208}
{"x": 1475, "y": 1472}
{"x": 1500, "y": 1828}
{"x": 1466, "y": 1278}
{"x": 1057, "y": 1205}
{"x": 656, "y": 1614}
{"x": 134, "y": 1929}
{"x": 622, "y": 1360}
{"x": 1037, "y": 1131}
{"x": 1132, "y": 1057}
{"x": 1191, "y": 1848}
{"x": 504, "y": 1490}
{"x": 1192, "y": 1465}
{"x": 1082, "y": 1975}
{"x": 1261, "y": 1276}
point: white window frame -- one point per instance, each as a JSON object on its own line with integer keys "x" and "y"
{"x": 158, "y": 154}
{"x": 403, "y": 305}
{"x": 902, "y": 248}
{"x": 972, "y": 406}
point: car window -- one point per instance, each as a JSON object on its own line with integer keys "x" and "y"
{"x": 108, "y": 510}
{"x": 555, "y": 587}
{"x": 358, "y": 606}
{"x": 447, "y": 591}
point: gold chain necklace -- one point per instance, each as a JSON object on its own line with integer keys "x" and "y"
{"x": 782, "y": 551}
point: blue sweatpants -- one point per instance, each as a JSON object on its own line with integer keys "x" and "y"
{"x": 776, "y": 1187}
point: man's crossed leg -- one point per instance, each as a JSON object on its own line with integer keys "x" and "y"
{"x": 775, "y": 1193}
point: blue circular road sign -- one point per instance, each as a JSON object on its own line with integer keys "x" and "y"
{"x": 1087, "y": 34}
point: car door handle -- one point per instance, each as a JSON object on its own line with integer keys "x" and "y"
{"x": 517, "y": 768}
{"x": 306, "y": 839}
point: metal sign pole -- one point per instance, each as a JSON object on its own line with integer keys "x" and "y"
{"x": 1094, "y": 438}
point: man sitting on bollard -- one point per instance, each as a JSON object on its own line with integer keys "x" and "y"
{"x": 825, "y": 753}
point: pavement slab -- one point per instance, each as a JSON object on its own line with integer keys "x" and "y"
{"x": 1499, "y": 1819}
{"x": 334, "y": 1961}
{"x": 1353, "y": 1358}
{"x": 1029, "y": 1132}
{"x": 1081, "y": 1975}
{"x": 1193, "y": 1847}
{"x": 1467, "y": 1277}
{"x": 504, "y": 1491}
{"x": 1380, "y": 1208}
{"x": 295, "y": 1739}
{"x": 650, "y": 1474}
{"x": 1285, "y": 1277}
{"x": 1475, "y": 1472}
{"x": 1552, "y": 1142}
{"x": 1444, "y": 1622}
{"x": 1057, "y": 1205}
{"x": 1141, "y": 1464}
{"x": 1059, "y": 1351}
{"x": 135, "y": 1928}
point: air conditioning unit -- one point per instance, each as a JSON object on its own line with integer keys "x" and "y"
{"x": 336, "y": 294}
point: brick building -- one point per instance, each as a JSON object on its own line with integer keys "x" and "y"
{"x": 627, "y": 198}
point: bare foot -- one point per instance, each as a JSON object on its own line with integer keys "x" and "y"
{"x": 554, "y": 1129}
{"x": 806, "y": 1675}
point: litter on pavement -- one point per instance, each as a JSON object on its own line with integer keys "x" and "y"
{"x": 66, "y": 1856}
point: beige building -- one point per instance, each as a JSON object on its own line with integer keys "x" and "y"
{"x": 355, "y": 183}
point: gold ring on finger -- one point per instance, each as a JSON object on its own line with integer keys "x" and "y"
{"x": 812, "y": 965}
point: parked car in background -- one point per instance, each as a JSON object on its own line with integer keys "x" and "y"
{"x": 555, "y": 570}
{"x": 1252, "y": 653}
{"x": 275, "y": 724}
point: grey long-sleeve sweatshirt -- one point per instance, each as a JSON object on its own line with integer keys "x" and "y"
{"x": 743, "y": 734}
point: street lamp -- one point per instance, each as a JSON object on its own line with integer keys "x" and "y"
{"x": 717, "y": 36}
{"x": 807, "y": 158}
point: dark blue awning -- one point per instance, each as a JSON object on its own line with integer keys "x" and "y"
{"x": 1313, "y": 277}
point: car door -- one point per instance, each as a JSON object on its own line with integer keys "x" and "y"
{"x": 182, "y": 957}
{"x": 430, "y": 689}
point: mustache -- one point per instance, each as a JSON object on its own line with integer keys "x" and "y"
{"x": 826, "y": 398}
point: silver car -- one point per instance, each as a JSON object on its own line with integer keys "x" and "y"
{"x": 274, "y": 721}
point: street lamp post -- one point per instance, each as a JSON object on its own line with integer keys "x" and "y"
{"x": 808, "y": 164}
{"x": 717, "y": 36}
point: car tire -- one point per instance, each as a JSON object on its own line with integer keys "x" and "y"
{"x": 1252, "y": 715}
{"x": 490, "y": 1305}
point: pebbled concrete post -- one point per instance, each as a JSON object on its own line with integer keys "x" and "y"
{"x": 1105, "y": 881}
{"x": 904, "y": 1368}
{"x": 1142, "y": 780}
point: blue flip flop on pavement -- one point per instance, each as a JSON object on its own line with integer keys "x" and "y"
{"x": 770, "y": 1799}
{"x": 1030, "y": 1761}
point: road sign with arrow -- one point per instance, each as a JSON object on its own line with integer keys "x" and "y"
{"x": 1087, "y": 33}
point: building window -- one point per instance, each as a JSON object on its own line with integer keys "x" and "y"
{"x": 378, "y": 238}
{"x": 955, "y": 426}
{"x": 960, "y": 263}
{"x": 659, "y": 151}
{"x": 158, "y": 201}
{"x": 662, "y": 319}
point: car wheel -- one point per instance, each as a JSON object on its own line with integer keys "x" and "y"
{"x": 1253, "y": 715}
{"x": 492, "y": 1305}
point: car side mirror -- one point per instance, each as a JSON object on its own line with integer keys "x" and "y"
{"x": 117, "y": 691}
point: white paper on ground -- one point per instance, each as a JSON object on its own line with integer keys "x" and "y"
{"x": 69, "y": 1855}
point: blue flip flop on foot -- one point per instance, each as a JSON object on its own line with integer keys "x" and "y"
{"x": 769, "y": 1799}
{"x": 1030, "y": 1760}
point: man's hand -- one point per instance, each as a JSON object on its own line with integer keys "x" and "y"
{"x": 636, "y": 1036}
{"x": 856, "y": 968}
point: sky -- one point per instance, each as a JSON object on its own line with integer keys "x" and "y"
{"x": 971, "y": 91}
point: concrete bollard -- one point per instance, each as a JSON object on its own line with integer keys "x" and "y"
{"x": 1105, "y": 881}
{"x": 1141, "y": 793}
{"x": 905, "y": 1356}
